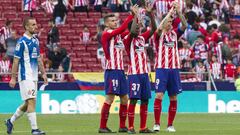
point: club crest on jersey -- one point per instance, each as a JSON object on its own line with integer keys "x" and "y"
{"x": 34, "y": 52}
{"x": 119, "y": 43}
{"x": 17, "y": 47}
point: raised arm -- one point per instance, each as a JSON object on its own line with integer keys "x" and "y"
{"x": 181, "y": 16}
{"x": 149, "y": 10}
{"x": 124, "y": 26}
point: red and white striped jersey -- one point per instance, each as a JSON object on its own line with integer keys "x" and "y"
{"x": 135, "y": 48}
{"x": 78, "y": 3}
{"x": 48, "y": 6}
{"x": 4, "y": 34}
{"x": 217, "y": 50}
{"x": 215, "y": 70}
{"x": 163, "y": 6}
{"x": 97, "y": 2}
{"x": 185, "y": 54}
{"x": 167, "y": 55}
{"x": 5, "y": 66}
{"x": 29, "y": 5}
{"x": 200, "y": 72}
{"x": 113, "y": 46}
{"x": 200, "y": 50}
{"x": 85, "y": 36}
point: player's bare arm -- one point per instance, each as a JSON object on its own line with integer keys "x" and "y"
{"x": 13, "y": 81}
{"x": 181, "y": 16}
{"x": 149, "y": 10}
{"x": 42, "y": 70}
{"x": 164, "y": 21}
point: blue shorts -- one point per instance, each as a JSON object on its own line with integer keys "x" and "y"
{"x": 115, "y": 82}
{"x": 168, "y": 79}
{"x": 139, "y": 86}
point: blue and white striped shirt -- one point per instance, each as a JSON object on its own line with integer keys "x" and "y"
{"x": 27, "y": 50}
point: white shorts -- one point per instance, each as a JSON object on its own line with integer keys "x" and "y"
{"x": 28, "y": 89}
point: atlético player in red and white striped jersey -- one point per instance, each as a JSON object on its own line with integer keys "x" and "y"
{"x": 167, "y": 65}
{"x": 115, "y": 82}
{"x": 138, "y": 80}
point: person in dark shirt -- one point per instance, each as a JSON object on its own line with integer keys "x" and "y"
{"x": 53, "y": 35}
{"x": 60, "y": 13}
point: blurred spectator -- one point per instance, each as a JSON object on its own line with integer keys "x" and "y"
{"x": 29, "y": 5}
{"x": 5, "y": 67}
{"x": 229, "y": 70}
{"x": 114, "y": 5}
{"x": 225, "y": 7}
{"x": 236, "y": 8}
{"x": 193, "y": 34}
{"x": 196, "y": 8}
{"x": 200, "y": 50}
{"x": 217, "y": 11}
{"x": 190, "y": 15}
{"x": 56, "y": 57}
{"x": 215, "y": 68}
{"x": 98, "y": 5}
{"x": 11, "y": 44}
{"x": 185, "y": 56}
{"x": 48, "y": 6}
{"x": 213, "y": 21}
{"x": 5, "y": 32}
{"x": 235, "y": 49}
{"x": 66, "y": 62}
{"x": 60, "y": 76}
{"x": 237, "y": 83}
{"x": 53, "y": 35}
{"x": 85, "y": 36}
{"x": 200, "y": 70}
{"x": 60, "y": 13}
{"x": 48, "y": 69}
{"x": 81, "y": 5}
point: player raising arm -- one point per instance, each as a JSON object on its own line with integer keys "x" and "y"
{"x": 167, "y": 66}
{"x": 138, "y": 80}
{"x": 114, "y": 77}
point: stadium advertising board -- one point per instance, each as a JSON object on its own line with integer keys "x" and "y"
{"x": 72, "y": 102}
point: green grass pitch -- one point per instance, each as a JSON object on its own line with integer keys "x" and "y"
{"x": 81, "y": 124}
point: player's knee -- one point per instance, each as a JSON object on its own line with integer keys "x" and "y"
{"x": 124, "y": 99}
{"x": 109, "y": 99}
{"x": 159, "y": 95}
{"x": 133, "y": 101}
{"x": 173, "y": 98}
{"x": 144, "y": 102}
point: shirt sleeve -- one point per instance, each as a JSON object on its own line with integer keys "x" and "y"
{"x": 105, "y": 44}
{"x": 18, "y": 53}
{"x": 146, "y": 35}
{"x": 122, "y": 28}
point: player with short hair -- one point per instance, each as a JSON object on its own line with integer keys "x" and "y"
{"x": 138, "y": 79}
{"x": 167, "y": 66}
{"x": 26, "y": 62}
{"x": 115, "y": 82}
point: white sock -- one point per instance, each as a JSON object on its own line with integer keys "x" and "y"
{"x": 16, "y": 115}
{"x": 33, "y": 120}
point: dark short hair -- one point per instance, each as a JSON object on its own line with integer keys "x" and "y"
{"x": 214, "y": 26}
{"x": 26, "y": 20}
{"x": 8, "y": 22}
{"x": 201, "y": 36}
{"x": 108, "y": 16}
